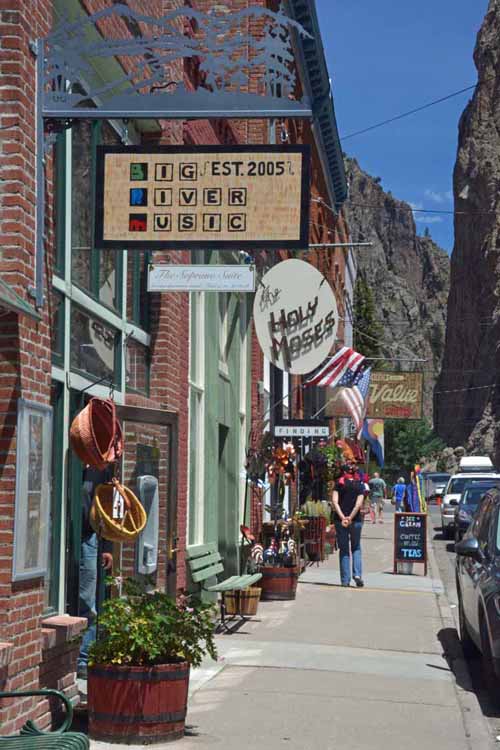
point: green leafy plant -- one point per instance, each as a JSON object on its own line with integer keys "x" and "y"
{"x": 143, "y": 628}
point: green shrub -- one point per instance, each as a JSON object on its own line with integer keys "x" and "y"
{"x": 144, "y": 628}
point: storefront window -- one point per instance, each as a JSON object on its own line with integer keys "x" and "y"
{"x": 93, "y": 346}
{"x": 137, "y": 289}
{"x": 96, "y": 271}
{"x": 108, "y": 286}
{"x": 51, "y": 589}
{"x": 57, "y": 326}
{"x": 137, "y": 367}
{"x": 84, "y": 139}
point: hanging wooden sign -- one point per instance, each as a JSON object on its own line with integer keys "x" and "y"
{"x": 220, "y": 197}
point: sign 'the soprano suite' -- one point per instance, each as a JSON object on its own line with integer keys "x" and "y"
{"x": 295, "y": 316}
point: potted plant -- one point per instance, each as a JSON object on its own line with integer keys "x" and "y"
{"x": 139, "y": 666}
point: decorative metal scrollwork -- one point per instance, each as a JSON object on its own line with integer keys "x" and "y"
{"x": 225, "y": 49}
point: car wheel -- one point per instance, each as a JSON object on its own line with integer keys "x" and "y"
{"x": 487, "y": 669}
{"x": 468, "y": 645}
{"x": 444, "y": 531}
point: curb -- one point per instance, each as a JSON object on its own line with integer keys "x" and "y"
{"x": 476, "y": 727}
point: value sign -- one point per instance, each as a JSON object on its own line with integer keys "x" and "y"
{"x": 295, "y": 315}
{"x": 393, "y": 395}
{"x": 220, "y": 197}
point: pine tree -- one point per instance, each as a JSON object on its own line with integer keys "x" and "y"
{"x": 367, "y": 331}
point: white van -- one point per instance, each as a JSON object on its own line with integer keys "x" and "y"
{"x": 472, "y": 468}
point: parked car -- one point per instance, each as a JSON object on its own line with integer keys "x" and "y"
{"x": 469, "y": 502}
{"x": 472, "y": 469}
{"x": 478, "y": 588}
{"x": 435, "y": 483}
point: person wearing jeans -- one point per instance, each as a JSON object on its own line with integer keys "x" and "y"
{"x": 347, "y": 501}
{"x": 87, "y": 583}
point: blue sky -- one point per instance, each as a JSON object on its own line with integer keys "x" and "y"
{"x": 389, "y": 56}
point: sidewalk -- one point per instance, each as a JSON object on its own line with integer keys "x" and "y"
{"x": 337, "y": 668}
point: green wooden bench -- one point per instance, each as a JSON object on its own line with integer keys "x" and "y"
{"x": 205, "y": 562}
{"x": 32, "y": 738}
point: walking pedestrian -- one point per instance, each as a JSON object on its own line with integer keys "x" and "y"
{"x": 398, "y": 493}
{"x": 347, "y": 500}
{"x": 378, "y": 494}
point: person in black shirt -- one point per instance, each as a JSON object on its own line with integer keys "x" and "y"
{"x": 347, "y": 501}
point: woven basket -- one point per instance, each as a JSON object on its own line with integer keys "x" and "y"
{"x": 96, "y": 434}
{"x": 101, "y": 514}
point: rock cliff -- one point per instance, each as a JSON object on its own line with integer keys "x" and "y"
{"x": 467, "y": 393}
{"x": 408, "y": 274}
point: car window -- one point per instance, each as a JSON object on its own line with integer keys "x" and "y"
{"x": 457, "y": 486}
{"x": 484, "y": 519}
{"x": 439, "y": 478}
{"x": 473, "y": 495}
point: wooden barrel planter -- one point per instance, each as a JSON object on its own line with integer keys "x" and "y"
{"x": 279, "y": 583}
{"x": 138, "y": 705}
{"x": 242, "y": 602}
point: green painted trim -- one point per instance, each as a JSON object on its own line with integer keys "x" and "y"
{"x": 10, "y": 300}
{"x": 57, "y": 495}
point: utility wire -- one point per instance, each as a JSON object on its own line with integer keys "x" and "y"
{"x": 415, "y": 110}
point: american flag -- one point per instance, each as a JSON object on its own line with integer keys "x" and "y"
{"x": 356, "y": 397}
{"x": 340, "y": 369}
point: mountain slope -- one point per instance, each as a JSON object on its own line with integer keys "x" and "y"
{"x": 467, "y": 399}
{"x": 408, "y": 274}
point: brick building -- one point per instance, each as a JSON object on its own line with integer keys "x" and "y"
{"x": 188, "y": 391}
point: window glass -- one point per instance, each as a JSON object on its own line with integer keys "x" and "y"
{"x": 137, "y": 367}
{"x": 60, "y": 202}
{"x": 83, "y": 138}
{"x": 108, "y": 278}
{"x": 51, "y": 592}
{"x": 57, "y": 326}
{"x": 137, "y": 288}
{"x": 93, "y": 345}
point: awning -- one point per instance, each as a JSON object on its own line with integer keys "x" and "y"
{"x": 10, "y": 300}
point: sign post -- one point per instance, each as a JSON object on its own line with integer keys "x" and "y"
{"x": 410, "y": 539}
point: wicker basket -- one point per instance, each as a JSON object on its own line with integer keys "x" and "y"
{"x": 96, "y": 434}
{"x": 243, "y": 602}
{"x": 101, "y": 514}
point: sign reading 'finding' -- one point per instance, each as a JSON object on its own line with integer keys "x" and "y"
{"x": 196, "y": 198}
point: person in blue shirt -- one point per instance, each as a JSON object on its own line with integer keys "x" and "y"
{"x": 398, "y": 493}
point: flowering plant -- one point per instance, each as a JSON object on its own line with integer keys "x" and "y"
{"x": 143, "y": 628}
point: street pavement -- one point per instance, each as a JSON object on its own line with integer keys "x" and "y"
{"x": 350, "y": 668}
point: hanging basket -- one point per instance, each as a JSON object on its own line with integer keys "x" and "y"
{"x": 96, "y": 434}
{"x": 126, "y": 529}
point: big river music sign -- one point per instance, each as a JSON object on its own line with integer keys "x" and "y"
{"x": 221, "y": 197}
{"x": 393, "y": 395}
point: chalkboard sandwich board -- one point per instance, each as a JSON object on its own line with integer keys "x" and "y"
{"x": 410, "y": 539}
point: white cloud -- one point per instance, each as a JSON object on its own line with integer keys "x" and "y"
{"x": 437, "y": 197}
{"x": 424, "y": 219}
{"x": 416, "y": 206}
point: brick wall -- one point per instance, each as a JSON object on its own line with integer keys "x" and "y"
{"x": 24, "y": 344}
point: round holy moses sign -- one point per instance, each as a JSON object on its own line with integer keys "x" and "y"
{"x": 296, "y": 316}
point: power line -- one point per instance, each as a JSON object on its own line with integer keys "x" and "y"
{"x": 415, "y": 110}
